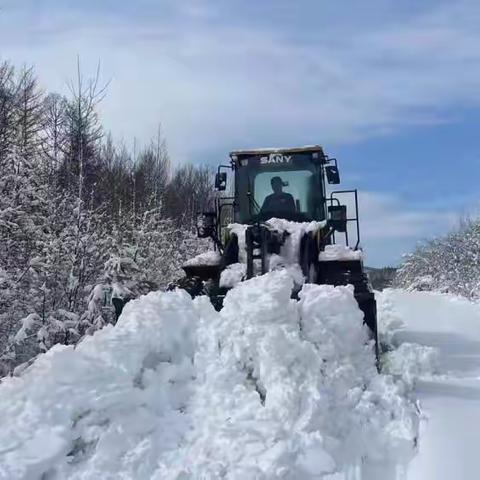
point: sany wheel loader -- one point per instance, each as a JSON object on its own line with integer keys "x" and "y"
{"x": 278, "y": 194}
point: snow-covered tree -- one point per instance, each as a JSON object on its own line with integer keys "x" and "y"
{"x": 450, "y": 263}
{"x": 81, "y": 220}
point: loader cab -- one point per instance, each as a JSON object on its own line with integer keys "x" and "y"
{"x": 285, "y": 184}
{"x": 281, "y": 183}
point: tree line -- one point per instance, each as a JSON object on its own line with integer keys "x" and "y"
{"x": 449, "y": 263}
{"x": 82, "y": 219}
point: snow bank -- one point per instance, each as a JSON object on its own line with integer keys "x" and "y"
{"x": 268, "y": 388}
{"x": 107, "y": 408}
{"x": 448, "y": 399}
{"x": 339, "y": 252}
{"x": 211, "y": 257}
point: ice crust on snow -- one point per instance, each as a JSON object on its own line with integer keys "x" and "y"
{"x": 267, "y": 388}
{"x": 211, "y": 257}
{"x": 339, "y": 252}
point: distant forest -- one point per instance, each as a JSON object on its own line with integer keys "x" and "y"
{"x": 81, "y": 217}
{"x": 381, "y": 278}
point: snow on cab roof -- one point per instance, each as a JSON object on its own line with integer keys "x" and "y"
{"x": 254, "y": 151}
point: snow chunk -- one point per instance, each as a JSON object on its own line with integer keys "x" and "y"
{"x": 290, "y": 250}
{"x": 212, "y": 257}
{"x": 412, "y": 361}
{"x": 232, "y": 275}
{"x": 277, "y": 262}
{"x": 296, "y": 230}
{"x": 339, "y": 252}
{"x": 388, "y": 319}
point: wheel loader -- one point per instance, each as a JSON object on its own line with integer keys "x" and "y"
{"x": 268, "y": 187}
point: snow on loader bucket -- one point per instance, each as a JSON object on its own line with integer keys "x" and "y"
{"x": 278, "y": 215}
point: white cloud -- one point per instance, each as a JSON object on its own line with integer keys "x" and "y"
{"x": 216, "y": 86}
{"x": 389, "y": 228}
{"x": 385, "y": 216}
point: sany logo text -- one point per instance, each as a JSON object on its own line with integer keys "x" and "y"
{"x": 275, "y": 158}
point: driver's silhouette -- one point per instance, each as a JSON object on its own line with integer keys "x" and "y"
{"x": 279, "y": 201}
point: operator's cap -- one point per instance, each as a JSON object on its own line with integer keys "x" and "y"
{"x": 278, "y": 180}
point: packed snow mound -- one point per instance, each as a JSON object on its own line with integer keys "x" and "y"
{"x": 107, "y": 407}
{"x": 294, "y": 230}
{"x": 289, "y": 251}
{"x": 233, "y": 275}
{"x": 268, "y": 388}
{"x": 212, "y": 257}
{"x": 339, "y": 252}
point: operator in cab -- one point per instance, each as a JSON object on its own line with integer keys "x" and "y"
{"x": 279, "y": 201}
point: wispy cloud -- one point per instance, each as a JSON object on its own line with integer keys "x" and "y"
{"x": 221, "y": 76}
{"x": 219, "y": 83}
{"x": 390, "y": 228}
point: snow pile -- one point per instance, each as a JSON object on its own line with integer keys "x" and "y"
{"x": 108, "y": 407}
{"x": 289, "y": 389}
{"x": 339, "y": 252}
{"x": 388, "y": 320}
{"x": 295, "y": 230}
{"x": 407, "y": 360}
{"x": 278, "y": 262}
{"x": 290, "y": 250}
{"x": 412, "y": 361}
{"x": 233, "y": 275}
{"x": 211, "y": 257}
{"x": 366, "y": 415}
{"x": 268, "y": 388}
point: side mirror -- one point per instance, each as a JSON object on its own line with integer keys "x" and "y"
{"x": 333, "y": 175}
{"x": 206, "y": 224}
{"x": 338, "y": 217}
{"x": 221, "y": 181}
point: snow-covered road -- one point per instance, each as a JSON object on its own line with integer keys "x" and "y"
{"x": 450, "y": 399}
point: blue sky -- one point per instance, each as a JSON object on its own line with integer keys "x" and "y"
{"x": 392, "y": 89}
